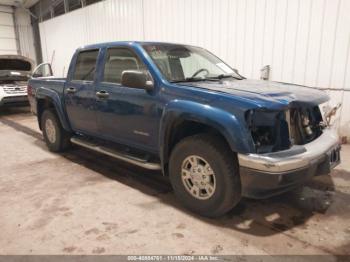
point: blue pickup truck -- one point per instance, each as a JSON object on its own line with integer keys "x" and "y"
{"x": 180, "y": 109}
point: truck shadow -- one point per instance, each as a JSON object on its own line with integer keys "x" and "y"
{"x": 254, "y": 217}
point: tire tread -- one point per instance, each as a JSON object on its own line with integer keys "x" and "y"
{"x": 229, "y": 161}
{"x": 63, "y": 136}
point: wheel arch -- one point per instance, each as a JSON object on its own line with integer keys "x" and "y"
{"x": 183, "y": 119}
{"x": 48, "y": 99}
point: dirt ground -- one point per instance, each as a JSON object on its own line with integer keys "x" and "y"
{"x": 81, "y": 202}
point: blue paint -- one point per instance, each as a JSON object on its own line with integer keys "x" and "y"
{"x": 129, "y": 112}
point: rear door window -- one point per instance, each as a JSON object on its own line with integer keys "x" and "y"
{"x": 119, "y": 60}
{"x": 85, "y": 66}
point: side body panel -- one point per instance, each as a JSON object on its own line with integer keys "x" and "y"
{"x": 80, "y": 101}
{"x": 49, "y": 89}
{"x": 128, "y": 116}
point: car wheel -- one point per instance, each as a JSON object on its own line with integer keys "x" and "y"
{"x": 57, "y": 139}
{"x": 205, "y": 176}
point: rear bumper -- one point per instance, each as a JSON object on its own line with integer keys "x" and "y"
{"x": 264, "y": 175}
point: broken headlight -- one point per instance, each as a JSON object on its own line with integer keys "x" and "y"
{"x": 305, "y": 124}
{"x": 269, "y": 130}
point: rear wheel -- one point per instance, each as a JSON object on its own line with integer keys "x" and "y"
{"x": 204, "y": 174}
{"x": 57, "y": 139}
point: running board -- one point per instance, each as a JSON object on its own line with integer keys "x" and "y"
{"x": 113, "y": 153}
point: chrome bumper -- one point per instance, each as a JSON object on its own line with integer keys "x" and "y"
{"x": 297, "y": 157}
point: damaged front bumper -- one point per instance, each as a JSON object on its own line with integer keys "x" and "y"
{"x": 265, "y": 175}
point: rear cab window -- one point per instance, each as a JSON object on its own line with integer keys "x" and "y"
{"x": 85, "y": 66}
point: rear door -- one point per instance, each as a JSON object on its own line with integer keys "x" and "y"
{"x": 80, "y": 97}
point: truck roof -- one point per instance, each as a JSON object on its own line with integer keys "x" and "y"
{"x": 125, "y": 43}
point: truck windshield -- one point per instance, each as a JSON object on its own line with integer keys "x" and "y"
{"x": 180, "y": 63}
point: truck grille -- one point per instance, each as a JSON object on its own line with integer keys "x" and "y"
{"x": 15, "y": 89}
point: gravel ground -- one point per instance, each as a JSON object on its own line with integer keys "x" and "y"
{"x": 81, "y": 202}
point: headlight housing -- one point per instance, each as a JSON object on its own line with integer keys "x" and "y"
{"x": 269, "y": 130}
{"x": 273, "y": 130}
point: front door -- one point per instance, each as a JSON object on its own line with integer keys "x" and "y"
{"x": 80, "y": 97}
{"x": 126, "y": 115}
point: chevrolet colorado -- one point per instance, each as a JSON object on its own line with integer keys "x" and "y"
{"x": 182, "y": 110}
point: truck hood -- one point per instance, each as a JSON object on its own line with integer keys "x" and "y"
{"x": 265, "y": 93}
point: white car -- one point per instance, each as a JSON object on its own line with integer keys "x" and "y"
{"x": 15, "y": 71}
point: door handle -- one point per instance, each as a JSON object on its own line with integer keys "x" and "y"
{"x": 102, "y": 94}
{"x": 71, "y": 90}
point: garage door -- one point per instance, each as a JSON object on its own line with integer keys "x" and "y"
{"x": 7, "y": 31}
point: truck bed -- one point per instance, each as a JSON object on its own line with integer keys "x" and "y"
{"x": 49, "y": 83}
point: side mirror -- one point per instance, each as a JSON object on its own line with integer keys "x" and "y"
{"x": 136, "y": 79}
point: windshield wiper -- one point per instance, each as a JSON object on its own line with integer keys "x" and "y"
{"x": 219, "y": 77}
{"x": 212, "y": 78}
{"x": 188, "y": 79}
{"x": 224, "y": 76}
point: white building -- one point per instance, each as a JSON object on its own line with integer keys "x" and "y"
{"x": 305, "y": 42}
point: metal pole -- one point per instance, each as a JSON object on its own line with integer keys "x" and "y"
{"x": 66, "y": 6}
{"x": 15, "y": 25}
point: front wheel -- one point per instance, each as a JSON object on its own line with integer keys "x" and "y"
{"x": 57, "y": 139}
{"x": 204, "y": 175}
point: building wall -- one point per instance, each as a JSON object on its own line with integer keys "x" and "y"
{"x": 305, "y": 42}
{"x": 25, "y": 33}
{"x": 16, "y": 35}
{"x": 8, "y": 44}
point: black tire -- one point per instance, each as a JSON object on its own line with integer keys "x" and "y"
{"x": 222, "y": 161}
{"x": 62, "y": 137}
